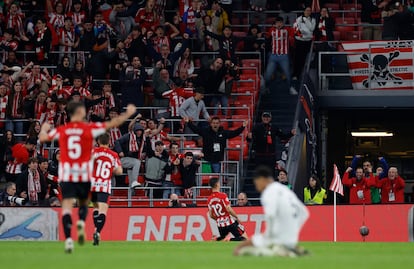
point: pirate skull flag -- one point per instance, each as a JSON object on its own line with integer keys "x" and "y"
{"x": 381, "y": 65}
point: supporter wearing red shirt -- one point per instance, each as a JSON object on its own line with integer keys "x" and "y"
{"x": 8, "y": 43}
{"x": 360, "y": 186}
{"x": 76, "y": 141}
{"x": 392, "y": 187}
{"x": 220, "y": 210}
{"x": 147, "y": 17}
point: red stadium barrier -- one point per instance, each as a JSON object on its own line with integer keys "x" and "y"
{"x": 387, "y": 223}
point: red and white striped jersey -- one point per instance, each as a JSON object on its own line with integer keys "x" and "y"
{"x": 114, "y": 134}
{"x": 158, "y": 42}
{"x": 217, "y": 204}
{"x": 177, "y": 97}
{"x": 83, "y": 91}
{"x": 10, "y": 45}
{"x": 57, "y": 20}
{"x": 3, "y": 107}
{"x": 32, "y": 78}
{"x": 66, "y": 36}
{"x": 76, "y": 140}
{"x": 77, "y": 17}
{"x": 279, "y": 40}
{"x": 104, "y": 163}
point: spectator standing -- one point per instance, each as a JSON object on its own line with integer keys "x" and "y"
{"x": 15, "y": 109}
{"x": 7, "y": 141}
{"x": 360, "y": 185}
{"x": 214, "y": 140}
{"x": 367, "y": 167}
{"x": 227, "y": 44}
{"x": 404, "y": 19}
{"x": 4, "y": 101}
{"x": 132, "y": 78}
{"x": 87, "y": 37}
{"x": 392, "y": 187}
{"x": 173, "y": 180}
{"x": 188, "y": 169}
{"x": 314, "y": 194}
{"x": 304, "y": 27}
{"x": 130, "y": 148}
{"x": 207, "y": 42}
{"x": 156, "y": 166}
{"x": 115, "y": 132}
{"x": 42, "y": 41}
{"x": 31, "y": 185}
{"x": 147, "y": 17}
{"x": 325, "y": 26}
{"x": 263, "y": 137}
{"x": 219, "y": 17}
{"x": 134, "y": 44}
{"x": 278, "y": 37}
{"x": 15, "y": 20}
{"x": 192, "y": 18}
{"x": 371, "y": 14}
{"x": 389, "y": 27}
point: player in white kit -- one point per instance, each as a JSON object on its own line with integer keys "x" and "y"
{"x": 284, "y": 214}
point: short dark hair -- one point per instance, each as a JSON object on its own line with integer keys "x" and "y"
{"x": 189, "y": 154}
{"x": 103, "y": 139}
{"x": 263, "y": 171}
{"x": 227, "y": 27}
{"x": 215, "y": 118}
{"x": 73, "y": 106}
{"x": 32, "y": 160}
{"x": 173, "y": 144}
{"x": 213, "y": 181}
{"x": 159, "y": 143}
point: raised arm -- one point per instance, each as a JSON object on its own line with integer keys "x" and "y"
{"x": 346, "y": 180}
{"x": 115, "y": 122}
{"x": 385, "y": 167}
{"x": 233, "y": 133}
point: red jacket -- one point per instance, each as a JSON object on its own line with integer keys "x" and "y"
{"x": 392, "y": 191}
{"x": 355, "y": 186}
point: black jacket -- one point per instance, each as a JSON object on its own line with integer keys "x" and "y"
{"x": 370, "y": 12}
{"x": 214, "y": 143}
{"x": 188, "y": 174}
{"x": 227, "y": 46}
{"x": 329, "y": 28}
{"x": 259, "y": 137}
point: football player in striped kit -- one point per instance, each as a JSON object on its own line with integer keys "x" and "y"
{"x": 220, "y": 210}
{"x": 76, "y": 140}
{"x": 106, "y": 163}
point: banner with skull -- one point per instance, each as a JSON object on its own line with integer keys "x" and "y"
{"x": 381, "y": 65}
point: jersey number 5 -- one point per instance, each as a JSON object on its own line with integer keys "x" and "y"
{"x": 218, "y": 210}
{"x": 74, "y": 147}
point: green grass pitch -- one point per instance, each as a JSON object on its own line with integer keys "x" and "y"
{"x": 194, "y": 255}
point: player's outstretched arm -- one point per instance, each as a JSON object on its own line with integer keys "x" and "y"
{"x": 115, "y": 122}
{"x": 43, "y": 136}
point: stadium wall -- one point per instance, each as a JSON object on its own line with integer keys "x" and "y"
{"x": 387, "y": 223}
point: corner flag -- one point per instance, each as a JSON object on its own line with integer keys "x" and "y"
{"x": 336, "y": 185}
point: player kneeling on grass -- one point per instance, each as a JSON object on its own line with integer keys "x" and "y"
{"x": 284, "y": 214}
{"x": 106, "y": 163}
{"x": 220, "y": 210}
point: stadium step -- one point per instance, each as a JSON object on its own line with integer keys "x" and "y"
{"x": 282, "y": 105}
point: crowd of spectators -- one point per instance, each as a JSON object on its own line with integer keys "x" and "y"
{"x": 105, "y": 52}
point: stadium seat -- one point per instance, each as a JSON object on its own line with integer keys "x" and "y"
{"x": 189, "y": 144}
{"x": 332, "y": 6}
{"x": 344, "y": 20}
{"x": 344, "y": 30}
{"x": 123, "y": 193}
{"x": 252, "y": 63}
{"x": 205, "y": 192}
{"x": 353, "y": 36}
{"x": 239, "y": 34}
{"x": 337, "y": 35}
{"x": 160, "y": 203}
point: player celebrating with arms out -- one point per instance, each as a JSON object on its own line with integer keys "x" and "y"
{"x": 106, "y": 163}
{"x": 284, "y": 214}
{"x": 76, "y": 141}
{"x": 220, "y": 210}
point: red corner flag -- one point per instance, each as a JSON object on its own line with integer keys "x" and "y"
{"x": 336, "y": 185}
